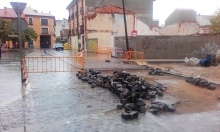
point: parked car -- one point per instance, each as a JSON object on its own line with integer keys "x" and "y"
{"x": 58, "y": 46}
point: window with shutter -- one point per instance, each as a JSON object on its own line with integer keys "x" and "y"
{"x": 30, "y": 21}
{"x": 44, "y": 21}
{"x": 44, "y": 31}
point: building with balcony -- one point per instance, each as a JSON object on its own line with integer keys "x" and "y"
{"x": 43, "y": 24}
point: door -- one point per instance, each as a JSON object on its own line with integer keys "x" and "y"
{"x": 45, "y": 42}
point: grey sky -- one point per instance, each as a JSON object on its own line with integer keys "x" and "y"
{"x": 162, "y": 8}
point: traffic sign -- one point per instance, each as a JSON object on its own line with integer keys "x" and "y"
{"x": 18, "y": 7}
{"x": 15, "y": 24}
{"x": 134, "y": 33}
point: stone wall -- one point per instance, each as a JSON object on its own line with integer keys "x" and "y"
{"x": 171, "y": 47}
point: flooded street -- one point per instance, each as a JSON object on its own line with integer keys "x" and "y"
{"x": 59, "y": 102}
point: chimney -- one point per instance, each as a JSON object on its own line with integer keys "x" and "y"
{"x": 42, "y": 12}
{"x": 49, "y": 12}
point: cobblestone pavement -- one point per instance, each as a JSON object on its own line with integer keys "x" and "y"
{"x": 59, "y": 102}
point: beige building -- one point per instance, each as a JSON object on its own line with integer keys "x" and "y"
{"x": 101, "y": 25}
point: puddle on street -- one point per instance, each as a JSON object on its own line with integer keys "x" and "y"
{"x": 61, "y": 102}
{"x": 166, "y": 81}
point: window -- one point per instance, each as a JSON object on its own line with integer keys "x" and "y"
{"x": 44, "y": 21}
{"x": 44, "y": 31}
{"x": 30, "y": 21}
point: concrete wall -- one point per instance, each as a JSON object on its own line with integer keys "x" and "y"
{"x": 171, "y": 47}
{"x": 181, "y": 28}
{"x": 204, "y": 20}
{"x": 144, "y": 29}
{"x": 105, "y": 26}
{"x": 74, "y": 43}
{"x": 100, "y": 22}
{"x": 105, "y": 39}
{"x": 118, "y": 24}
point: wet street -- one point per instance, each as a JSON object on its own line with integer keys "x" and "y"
{"x": 59, "y": 102}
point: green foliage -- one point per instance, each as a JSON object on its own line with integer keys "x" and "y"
{"x": 29, "y": 34}
{"x": 5, "y": 30}
{"x": 215, "y": 23}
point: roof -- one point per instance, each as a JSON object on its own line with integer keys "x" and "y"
{"x": 9, "y": 13}
{"x": 33, "y": 12}
{"x": 184, "y": 10}
{"x": 112, "y": 9}
{"x": 71, "y": 4}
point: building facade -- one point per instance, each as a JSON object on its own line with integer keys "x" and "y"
{"x": 10, "y": 15}
{"x": 179, "y": 15}
{"x": 94, "y": 23}
{"x": 44, "y": 25}
{"x": 62, "y": 30}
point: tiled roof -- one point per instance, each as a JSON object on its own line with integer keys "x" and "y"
{"x": 8, "y": 13}
{"x": 33, "y": 12}
{"x": 112, "y": 9}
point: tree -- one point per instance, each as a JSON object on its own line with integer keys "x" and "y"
{"x": 29, "y": 34}
{"x": 215, "y": 23}
{"x": 5, "y": 30}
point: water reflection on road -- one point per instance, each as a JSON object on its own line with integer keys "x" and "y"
{"x": 60, "y": 102}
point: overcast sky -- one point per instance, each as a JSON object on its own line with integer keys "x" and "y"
{"x": 162, "y": 8}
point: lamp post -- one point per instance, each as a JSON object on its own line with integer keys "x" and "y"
{"x": 125, "y": 23}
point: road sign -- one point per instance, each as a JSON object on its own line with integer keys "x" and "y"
{"x": 134, "y": 33}
{"x": 18, "y": 7}
{"x": 15, "y": 24}
{"x": 13, "y": 36}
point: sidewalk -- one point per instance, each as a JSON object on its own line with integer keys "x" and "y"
{"x": 10, "y": 79}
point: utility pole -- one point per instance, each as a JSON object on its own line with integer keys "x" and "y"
{"x": 78, "y": 35}
{"x": 125, "y": 23}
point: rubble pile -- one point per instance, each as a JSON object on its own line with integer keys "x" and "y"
{"x": 131, "y": 89}
{"x": 201, "y": 82}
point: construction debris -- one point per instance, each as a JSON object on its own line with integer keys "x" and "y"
{"x": 191, "y": 61}
{"x": 201, "y": 82}
{"x": 132, "y": 91}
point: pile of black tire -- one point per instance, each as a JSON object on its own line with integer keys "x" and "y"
{"x": 131, "y": 90}
{"x": 201, "y": 82}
